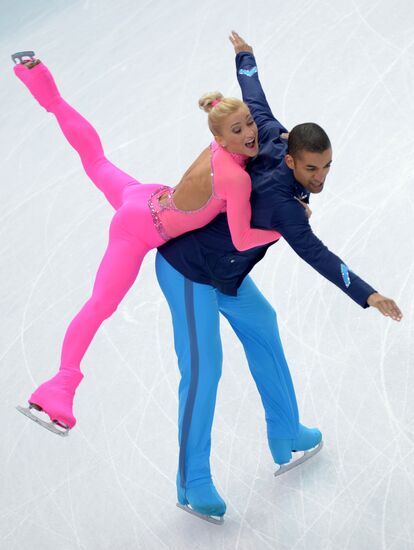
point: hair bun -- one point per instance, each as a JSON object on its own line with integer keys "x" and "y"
{"x": 205, "y": 101}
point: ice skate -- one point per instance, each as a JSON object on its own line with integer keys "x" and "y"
{"x": 55, "y": 398}
{"x": 56, "y": 427}
{"x": 23, "y": 57}
{"x": 37, "y": 78}
{"x": 203, "y": 502}
{"x": 305, "y": 446}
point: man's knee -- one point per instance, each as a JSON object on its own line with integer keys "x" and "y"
{"x": 211, "y": 367}
{"x": 204, "y": 365}
{"x": 266, "y": 314}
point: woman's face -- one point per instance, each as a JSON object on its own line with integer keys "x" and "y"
{"x": 238, "y": 133}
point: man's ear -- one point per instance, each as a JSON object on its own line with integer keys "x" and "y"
{"x": 290, "y": 161}
{"x": 221, "y": 141}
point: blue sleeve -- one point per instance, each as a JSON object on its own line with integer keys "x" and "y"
{"x": 290, "y": 220}
{"x": 253, "y": 94}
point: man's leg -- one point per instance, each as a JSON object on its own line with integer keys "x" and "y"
{"x": 255, "y": 323}
{"x": 197, "y": 343}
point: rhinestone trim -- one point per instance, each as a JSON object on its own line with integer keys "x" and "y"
{"x": 155, "y": 207}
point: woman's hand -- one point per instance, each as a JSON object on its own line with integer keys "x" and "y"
{"x": 305, "y": 205}
{"x": 385, "y": 305}
{"x": 240, "y": 45}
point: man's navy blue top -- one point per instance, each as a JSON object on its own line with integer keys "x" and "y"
{"x": 208, "y": 255}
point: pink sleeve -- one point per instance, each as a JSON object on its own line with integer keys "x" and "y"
{"x": 236, "y": 189}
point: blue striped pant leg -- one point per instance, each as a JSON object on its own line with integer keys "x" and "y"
{"x": 254, "y": 321}
{"x": 195, "y": 316}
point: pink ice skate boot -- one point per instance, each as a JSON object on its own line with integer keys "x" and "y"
{"x": 37, "y": 78}
{"x": 55, "y": 398}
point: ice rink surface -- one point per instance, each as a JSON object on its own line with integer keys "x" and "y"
{"x": 136, "y": 69}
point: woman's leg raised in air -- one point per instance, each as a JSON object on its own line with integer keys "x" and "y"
{"x": 81, "y": 135}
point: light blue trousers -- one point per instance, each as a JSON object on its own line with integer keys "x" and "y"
{"x": 195, "y": 312}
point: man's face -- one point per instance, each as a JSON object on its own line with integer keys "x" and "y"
{"x": 310, "y": 169}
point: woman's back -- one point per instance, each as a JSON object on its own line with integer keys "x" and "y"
{"x": 194, "y": 202}
{"x": 195, "y": 188}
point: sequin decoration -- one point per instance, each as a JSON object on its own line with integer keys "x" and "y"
{"x": 155, "y": 207}
{"x": 248, "y": 72}
{"x": 345, "y": 275}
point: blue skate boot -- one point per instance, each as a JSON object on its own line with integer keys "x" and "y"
{"x": 309, "y": 440}
{"x": 202, "y": 501}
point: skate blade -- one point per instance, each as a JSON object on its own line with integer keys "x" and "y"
{"x": 54, "y": 427}
{"x": 19, "y": 57}
{"x": 293, "y": 463}
{"x": 217, "y": 520}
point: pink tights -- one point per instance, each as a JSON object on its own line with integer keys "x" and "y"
{"x": 131, "y": 235}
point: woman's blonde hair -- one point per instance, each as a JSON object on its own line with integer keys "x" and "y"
{"x": 218, "y": 108}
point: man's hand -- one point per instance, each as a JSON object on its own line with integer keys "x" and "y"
{"x": 239, "y": 44}
{"x": 385, "y": 305}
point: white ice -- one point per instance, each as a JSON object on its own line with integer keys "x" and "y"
{"x": 136, "y": 70}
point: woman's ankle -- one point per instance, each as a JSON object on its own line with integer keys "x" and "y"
{"x": 30, "y": 64}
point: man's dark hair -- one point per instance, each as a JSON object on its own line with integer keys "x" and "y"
{"x": 307, "y": 137}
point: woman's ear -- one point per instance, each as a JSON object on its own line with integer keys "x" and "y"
{"x": 221, "y": 141}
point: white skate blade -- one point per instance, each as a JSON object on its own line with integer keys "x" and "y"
{"x": 283, "y": 468}
{"x": 21, "y": 57}
{"x": 51, "y": 426}
{"x": 217, "y": 520}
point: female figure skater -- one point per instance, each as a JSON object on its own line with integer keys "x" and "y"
{"x": 146, "y": 217}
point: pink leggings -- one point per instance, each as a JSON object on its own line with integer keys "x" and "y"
{"x": 131, "y": 234}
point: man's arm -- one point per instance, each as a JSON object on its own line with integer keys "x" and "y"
{"x": 291, "y": 221}
{"x": 250, "y": 86}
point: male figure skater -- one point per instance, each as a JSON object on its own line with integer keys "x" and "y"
{"x": 202, "y": 275}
